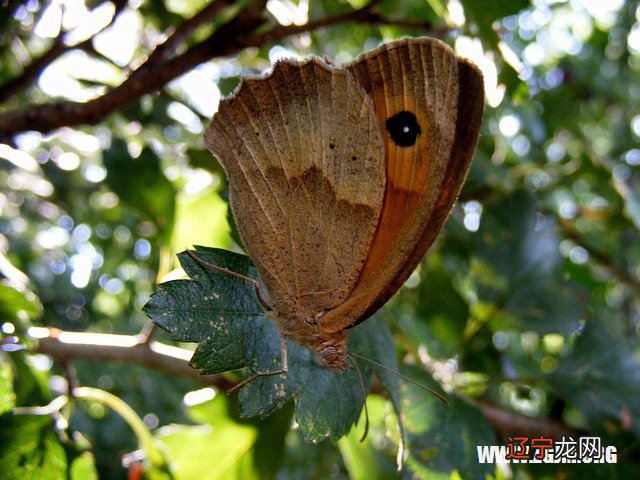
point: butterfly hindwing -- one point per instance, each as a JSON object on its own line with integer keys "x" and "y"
{"x": 429, "y": 104}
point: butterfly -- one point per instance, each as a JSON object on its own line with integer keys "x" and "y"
{"x": 341, "y": 177}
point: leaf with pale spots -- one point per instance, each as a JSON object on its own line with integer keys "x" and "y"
{"x": 222, "y": 313}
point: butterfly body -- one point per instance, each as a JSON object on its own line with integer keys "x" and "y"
{"x": 341, "y": 177}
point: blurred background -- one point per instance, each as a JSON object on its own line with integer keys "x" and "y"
{"x": 526, "y": 309}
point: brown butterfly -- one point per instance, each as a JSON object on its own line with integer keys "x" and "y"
{"x": 340, "y": 179}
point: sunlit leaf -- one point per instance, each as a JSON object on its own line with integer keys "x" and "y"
{"x": 365, "y": 460}
{"x": 83, "y": 468}
{"x": 244, "y": 449}
{"x": 14, "y": 303}
{"x": 7, "y": 395}
{"x": 200, "y": 218}
{"x": 30, "y": 449}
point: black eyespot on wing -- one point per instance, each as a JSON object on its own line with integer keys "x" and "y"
{"x": 403, "y": 128}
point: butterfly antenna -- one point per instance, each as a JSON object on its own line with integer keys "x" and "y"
{"x": 226, "y": 271}
{"x": 364, "y": 398}
{"x": 426, "y": 389}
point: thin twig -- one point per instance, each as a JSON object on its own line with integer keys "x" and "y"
{"x": 147, "y": 332}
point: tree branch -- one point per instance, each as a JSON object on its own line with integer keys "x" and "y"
{"x": 510, "y": 423}
{"x": 159, "y": 69}
{"x": 32, "y": 71}
{"x": 65, "y": 346}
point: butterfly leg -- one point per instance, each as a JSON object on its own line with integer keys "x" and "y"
{"x": 250, "y": 280}
{"x": 284, "y": 352}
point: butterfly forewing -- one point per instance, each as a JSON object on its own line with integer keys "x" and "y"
{"x": 305, "y": 162}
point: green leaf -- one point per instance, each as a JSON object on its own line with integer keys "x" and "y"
{"x": 203, "y": 158}
{"x": 365, "y": 460}
{"x": 227, "y": 85}
{"x": 443, "y": 307}
{"x": 521, "y": 266}
{"x": 443, "y": 439}
{"x": 222, "y": 313}
{"x": 427, "y": 12}
{"x": 30, "y": 449}
{"x": 83, "y": 467}
{"x": 190, "y": 449}
{"x": 141, "y": 184}
{"x": 304, "y": 460}
{"x": 217, "y": 311}
{"x": 7, "y": 395}
{"x": 485, "y": 14}
{"x": 200, "y": 219}
{"x": 31, "y": 384}
{"x": 14, "y": 304}
{"x": 243, "y": 448}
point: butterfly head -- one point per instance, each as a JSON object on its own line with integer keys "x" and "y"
{"x": 333, "y": 355}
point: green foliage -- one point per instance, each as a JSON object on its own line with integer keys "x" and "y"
{"x": 361, "y": 457}
{"x": 614, "y": 370}
{"x": 30, "y": 449}
{"x": 141, "y": 185}
{"x": 7, "y": 395}
{"x": 242, "y": 449}
{"x": 444, "y": 439}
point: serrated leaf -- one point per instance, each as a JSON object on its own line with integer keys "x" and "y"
{"x": 222, "y": 313}
{"x": 30, "y": 449}
{"x": 214, "y": 309}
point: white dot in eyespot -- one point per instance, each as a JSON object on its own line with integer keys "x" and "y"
{"x": 405, "y": 129}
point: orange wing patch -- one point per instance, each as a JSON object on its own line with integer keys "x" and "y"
{"x": 414, "y": 85}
